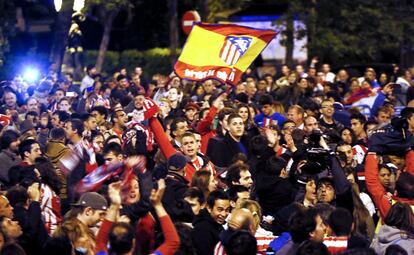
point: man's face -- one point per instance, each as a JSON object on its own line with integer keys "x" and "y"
{"x": 189, "y": 146}
{"x": 32, "y": 105}
{"x": 383, "y": 117}
{"x": 261, "y": 86}
{"x": 10, "y": 99}
{"x": 90, "y": 123}
{"x": 410, "y": 121}
{"x": 311, "y": 124}
{"x": 320, "y": 230}
{"x": 136, "y": 80}
{"x": 299, "y": 69}
{"x": 98, "y": 117}
{"x": 326, "y": 192}
{"x": 294, "y": 116}
{"x": 139, "y": 102}
{"x": 241, "y": 88}
{"x": 69, "y": 131}
{"x": 267, "y": 109}
{"x": 370, "y": 75}
{"x": 122, "y": 118}
{"x": 347, "y": 150}
{"x": 327, "y": 109}
{"x": 95, "y": 216}
{"x": 56, "y": 121}
{"x": 236, "y": 127}
{"x": 182, "y": 127}
{"x": 11, "y": 228}
{"x": 220, "y": 210}
{"x": 251, "y": 88}
{"x": 326, "y": 68}
{"x": 59, "y": 95}
{"x": 195, "y": 204}
{"x": 6, "y": 209}
{"x": 357, "y": 127}
{"x": 35, "y": 153}
{"x": 111, "y": 157}
{"x": 385, "y": 177}
{"x": 208, "y": 86}
{"x": 241, "y": 197}
{"x": 246, "y": 179}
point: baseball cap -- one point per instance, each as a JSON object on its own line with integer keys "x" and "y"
{"x": 192, "y": 105}
{"x": 326, "y": 179}
{"x": 93, "y": 200}
{"x": 177, "y": 161}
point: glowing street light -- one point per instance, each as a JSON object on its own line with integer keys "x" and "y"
{"x": 58, "y": 5}
{"x": 78, "y": 5}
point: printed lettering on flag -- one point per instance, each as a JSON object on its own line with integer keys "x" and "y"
{"x": 221, "y": 52}
{"x": 233, "y": 48}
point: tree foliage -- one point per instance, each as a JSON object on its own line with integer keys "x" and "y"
{"x": 7, "y": 25}
{"x": 345, "y": 31}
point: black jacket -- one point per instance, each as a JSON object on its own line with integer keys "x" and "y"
{"x": 222, "y": 150}
{"x": 273, "y": 192}
{"x": 34, "y": 232}
{"x": 173, "y": 200}
{"x": 206, "y": 233}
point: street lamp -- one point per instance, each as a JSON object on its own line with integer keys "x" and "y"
{"x": 58, "y": 5}
{"x": 78, "y": 5}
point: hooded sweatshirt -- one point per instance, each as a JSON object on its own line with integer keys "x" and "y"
{"x": 390, "y": 235}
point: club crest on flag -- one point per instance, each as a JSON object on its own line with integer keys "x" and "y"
{"x": 233, "y": 48}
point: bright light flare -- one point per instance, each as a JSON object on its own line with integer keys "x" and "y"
{"x": 31, "y": 74}
{"x": 58, "y": 5}
{"x": 78, "y": 5}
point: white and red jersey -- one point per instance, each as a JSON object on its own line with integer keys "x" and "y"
{"x": 359, "y": 152}
{"x": 50, "y": 205}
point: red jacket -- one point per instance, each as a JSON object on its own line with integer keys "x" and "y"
{"x": 166, "y": 147}
{"x": 204, "y": 129}
{"x": 376, "y": 189}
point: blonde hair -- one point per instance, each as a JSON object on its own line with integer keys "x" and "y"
{"x": 255, "y": 209}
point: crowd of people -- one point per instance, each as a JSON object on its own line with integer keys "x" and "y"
{"x": 305, "y": 161}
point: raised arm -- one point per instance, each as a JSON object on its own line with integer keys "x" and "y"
{"x": 171, "y": 239}
{"x": 162, "y": 140}
{"x": 374, "y": 186}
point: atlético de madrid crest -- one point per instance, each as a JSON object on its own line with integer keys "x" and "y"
{"x": 233, "y": 48}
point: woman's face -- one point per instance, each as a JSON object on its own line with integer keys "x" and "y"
{"x": 354, "y": 86}
{"x": 346, "y": 136}
{"x": 365, "y": 85}
{"x": 310, "y": 194}
{"x": 385, "y": 177}
{"x": 292, "y": 78}
{"x": 212, "y": 185}
{"x": 64, "y": 106}
{"x": 173, "y": 95}
{"x": 244, "y": 113}
{"x": 133, "y": 195}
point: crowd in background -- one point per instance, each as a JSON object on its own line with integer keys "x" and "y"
{"x": 304, "y": 161}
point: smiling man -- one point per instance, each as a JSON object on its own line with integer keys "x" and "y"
{"x": 209, "y": 223}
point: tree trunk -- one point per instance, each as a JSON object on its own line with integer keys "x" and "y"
{"x": 60, "y": 35}
{"x": 103, "y": 47}
{"x": 173, "y": 30}
{"x": 289, "y": 32}
{"x": 204, "y": 10}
